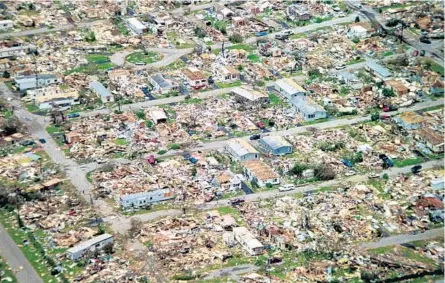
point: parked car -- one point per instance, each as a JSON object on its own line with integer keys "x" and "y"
{"x": 27, "y": 143}
{"x": 42, "y": 140}
{"x": 425, "y": 40}
{"x": 261, "y": 33}
{"x": 281, "y": 36}
{"x": 255, "y": 137}
{"x": 287, "y": 187}
{"x": 350, "y": 173}
{"x": 288, "y": 32}
{"x": 416, "y": 169}
{"x": 237, "y": 201}
{"x": 73, "y": 115}
{"x": 152, "y": 160}
{"x": 373, "y": 176}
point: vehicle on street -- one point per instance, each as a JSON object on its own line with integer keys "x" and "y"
{"x": 425, "y": 40}
{"x": 287, "y": 32}
{"x": 152, "y": 160}
{"x": 255, "y": 137}
{"x": 373, "y": 176}
{"x": 416, "y": 169}
{"x": 73, "y": 115}
{"x": 237, "y": 201}
{"x": 281, "y": 36}
{"x": 260, "y": 125}
{"x": 287, "y": 187}
{"x": 261, "y": 33}
{"x": 340, "y": 67}
{"x": 42, "y": 140}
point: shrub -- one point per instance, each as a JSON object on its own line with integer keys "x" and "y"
{"x": 162, "y": 151}
{"x": 236, "y": 38}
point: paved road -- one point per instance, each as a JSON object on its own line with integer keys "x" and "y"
{"x": 23, "y": 270}
{"x": 329, "y": 124}
{"x": 36, "y": 126}
{"x": 64, "y": 27}
{"x": 168, "y": 100}
{"x": 402, "y": 239}
{"x": 232, "y": 272}
{"x": 121, "y": 223}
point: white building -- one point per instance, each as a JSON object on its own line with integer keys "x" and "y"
{"x": 6, "y": 24}
{"x": 138, "y": 200}
{"x": 259, "y": 172}
{"x": 246, "y": 239}
{"x": 33, "y": 81}
{"x": 47, "y": 97}
{"x": 194, "y": 77}
{"x": 16, "y": 51}
{"x": 99, "y": 89}
{"x": 357, "y": 31}
{"x": 96, "y": 243}
{"x": 136, "y": 26}
{"x": 241, "y": 150}
{"x": 247, "y": 95}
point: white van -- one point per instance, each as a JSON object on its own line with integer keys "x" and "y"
{"x": 287, "y": 187}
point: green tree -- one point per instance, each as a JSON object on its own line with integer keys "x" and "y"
{"x": 375, "y": 116}
{"x": 387, "y": 92}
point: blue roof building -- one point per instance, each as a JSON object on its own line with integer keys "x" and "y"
{"x": 276, "y": 145}
{"x": 104, "y": 94}
{"x": 378, "y": 70}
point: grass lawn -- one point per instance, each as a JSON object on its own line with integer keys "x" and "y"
{"x": 141, "y": 57}
{"x": 298, "y": 35}
{"x": 178, "y": 64}
{"x": 121, "y": 142}
{"x": 32, "y": 107}
{"x": 355, "y": 61}
{"x": 315, "y": 121}
{"x": 98, "y": 58}
{"x": 396, "y": 6}
{"x": 9, "y": 222}
{"x": 407, "y": 162}
{"x": 274, "y": 99}
{"x": 7, "y": 273}
{"x": 246, "y": 47}
{"x": 192, "y": 101}
{"x": 253, "y": 57}
{"x": 52, "y": 129}
{"x": 226, "y": 85}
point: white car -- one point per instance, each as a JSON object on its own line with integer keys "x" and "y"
{"x": 288, "y": 32}
{"x": 287, "y": 187}
{"x": 350, "y": 173}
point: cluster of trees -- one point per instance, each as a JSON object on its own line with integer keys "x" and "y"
{"x": 322, "y": 172}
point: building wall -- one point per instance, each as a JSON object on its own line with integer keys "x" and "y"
{"x": 97, "y": 246}
{"x": 263, "y": 183}
{"x": 153, "y": 197}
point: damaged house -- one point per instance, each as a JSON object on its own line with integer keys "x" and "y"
{"x": 248, "y": 241}
{"x": 259, "y": 172}
{"x": 297, "y": 96}
{"x": 249, "y": 96}
{"x": 91, "y": 245}
{"x": 163, "y": 85}
{"x": 194, "y": 77}
{"x": 144, "y": 199}
{"x": 47, "y": 97}
{"x": 241, "y": 150}
{"x": 34, "y": 81}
